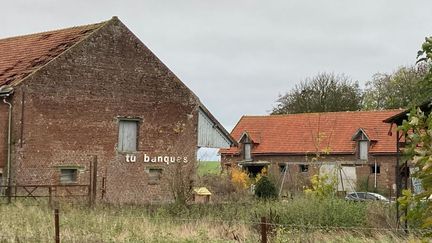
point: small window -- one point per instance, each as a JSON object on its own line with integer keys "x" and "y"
{"x": 304, "y": 168}
{"x": 155, "y": 176}
{"x": 377, "y": 170}
{"x": 363, "y": 150}
{"x": 247, "y": 151}
{"x": 283, "y": 168}
{"x": 128, "y": 130}
{"x": 68, "y": 176}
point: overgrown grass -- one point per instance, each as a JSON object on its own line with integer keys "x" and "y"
{"x": 209, "y": 167}
{"x": 293, "y": 220}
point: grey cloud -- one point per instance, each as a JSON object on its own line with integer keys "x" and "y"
{"x": 237, "y": 56}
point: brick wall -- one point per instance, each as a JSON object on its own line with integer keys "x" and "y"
{"x": 71, "y": 108}
{"x": 3, "y": 134}
{"x": 297, "y": 180}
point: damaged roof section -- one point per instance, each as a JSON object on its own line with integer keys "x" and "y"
{"x": 22, "y": 55}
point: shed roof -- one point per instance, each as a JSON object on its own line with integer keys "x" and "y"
{"x": 202, "y": 191}
{"x": 306, "y": 133}
{"x": 22, "y": 55}
{"x": 398, "y": 118}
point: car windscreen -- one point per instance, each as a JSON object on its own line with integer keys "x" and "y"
{"x": 371, "y": 196}
{"x": 359, "y": 195}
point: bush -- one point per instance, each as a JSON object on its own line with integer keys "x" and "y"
{"x": 323, "y": 186}
{"x": 265, "y": 188}
{"x": 240, "y": 179}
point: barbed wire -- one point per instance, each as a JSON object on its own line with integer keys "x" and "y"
{"x": 302, "y": 226}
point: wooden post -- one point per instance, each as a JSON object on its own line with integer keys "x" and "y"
{"x": 50, "y": 196}
{"x": 9, "y": 194}
{"x": 94, "y": 179}
{"x": 57, "y": 225}
{"x": 90, "y": 185}
{"x": 263, "y": 230}
{"x": 398, "y": 186}
{"x": 103, "y": 187}
{"x": 90, "y": 178}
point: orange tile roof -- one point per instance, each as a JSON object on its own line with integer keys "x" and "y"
{"x": 316, "y": 132}
{"x": 22, "y": 55}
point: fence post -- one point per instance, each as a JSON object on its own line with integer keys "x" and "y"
{"x": 263, "y": 230}
{"x": 94, "y": 180}
{"x": 57, "y": 225}
{"x": 9, "y": 194}
{"x": 90, "y": 184}
{"x": 50, "y": 196}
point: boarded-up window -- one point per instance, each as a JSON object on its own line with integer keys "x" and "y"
{"x": 128, "y": 130}
{"x": 363, "y": 150}
{"x": 68, "y": 176}
{"x": 154, "y": 176}
{"x": 247, "y": 151}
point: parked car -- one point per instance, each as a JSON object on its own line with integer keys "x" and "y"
{"x": 365, "y": 196}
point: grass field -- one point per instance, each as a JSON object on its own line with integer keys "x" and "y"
{"x": 300, "y": 220}
{"x": 209, "y": 167}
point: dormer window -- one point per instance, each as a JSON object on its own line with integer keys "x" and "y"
{"x": 363, "y": 147}
{"x": 247, "y": 142}
{"x": 363, "y": 142}
{"x": 247, "y": 151}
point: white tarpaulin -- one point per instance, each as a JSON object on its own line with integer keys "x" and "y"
{"x": 345, "y": 176}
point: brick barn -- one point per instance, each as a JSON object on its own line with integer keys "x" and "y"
{"x": 356, "y": 146}
{"x": 74, "y": 95}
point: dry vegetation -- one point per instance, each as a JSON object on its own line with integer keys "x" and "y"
{"x": 299, "y": 220}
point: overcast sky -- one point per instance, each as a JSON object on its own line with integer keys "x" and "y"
{"x": 238, "y": 56}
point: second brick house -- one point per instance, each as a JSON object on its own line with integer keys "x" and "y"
{"x": 355, "y": 145}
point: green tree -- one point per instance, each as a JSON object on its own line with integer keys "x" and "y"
{"x": 265, "y": 188}
{"x": 418, "y": 150}
{"x": 425, "y": 56}
{"x": 322, "y": 93}
{"x": 396, "y": 90}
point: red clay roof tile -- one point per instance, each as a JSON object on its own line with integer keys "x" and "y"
{"x": 316, "y": 132}
{"x": 22, "y": 55}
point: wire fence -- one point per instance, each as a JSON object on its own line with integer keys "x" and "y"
{"x": 229, "y": 229}
{"x": 95, "y": 225}
{"x": 252, "y": 223}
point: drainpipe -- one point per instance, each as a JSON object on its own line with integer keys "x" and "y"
{"x": 9, "y": 142}
{"x": 376, "y": 167}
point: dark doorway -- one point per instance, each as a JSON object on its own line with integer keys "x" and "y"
{"x": 254, "y": 170}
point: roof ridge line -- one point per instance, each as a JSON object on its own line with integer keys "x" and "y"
{"x": 320, "y": 113}
{"x": 54, "y": 30}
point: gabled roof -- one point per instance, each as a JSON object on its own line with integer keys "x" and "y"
{"x": 254, "y": 139}
{"x": 22, "y": 55}
{"x": 362, "y": 133}
{"x": 310, "y": 133}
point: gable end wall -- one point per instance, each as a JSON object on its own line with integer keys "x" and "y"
{"x": 70, "y": 113}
